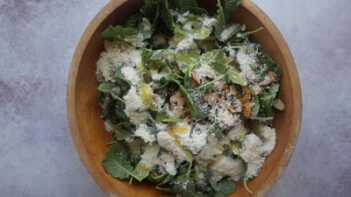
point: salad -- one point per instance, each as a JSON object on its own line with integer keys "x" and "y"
{"x": 188, "y": 100}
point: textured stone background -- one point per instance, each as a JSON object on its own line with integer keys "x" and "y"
{"x": 37, "y": 40}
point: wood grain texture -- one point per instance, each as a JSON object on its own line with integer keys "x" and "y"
{"x": 84, "y": 112}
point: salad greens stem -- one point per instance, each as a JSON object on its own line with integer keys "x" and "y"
{"x": 210, "y": 83}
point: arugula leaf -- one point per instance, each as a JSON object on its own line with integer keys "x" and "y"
{"x": 187, "y": 60}
{"x": 270, "y": 64}
{"x": 180, "y": 4}
{"x": 224, "y": 14}
{"x": 224, "y": 188}
{"x": 156, "y": 177}
{"x": 149, "y": 10}
{"x": 196, "y": 10}
{"x": 146, "y": 57}
{"x": 166, "y": 15}
{"x": 235, "y": 77}
{"x": 123, "y": 130}
{"x": 109, "y": 89}
{"x": 146, "y": 29}
{"x": 105, "y": 87}
{"x": 216, "y": 129}
{"x": 135, "y": 149}
{"x": 216, "y": 59}
{"x": 184, "y": 185}
{"x": 273, "y": 89}
{"x": 133, "y": 20}
{"x": 118, "y": 32}
{"x": 116, "y": 162}
{"x": 229, "y": 7}
{"x": 121, "y": 81}
{"x": 141, "y": 171}
{"x": 198, "y": 108}
{"x": 165, "y": 118}
{"x": 267, "y": 98}
{"x": 168, "y": 179}
{"x": 256, "y": 107}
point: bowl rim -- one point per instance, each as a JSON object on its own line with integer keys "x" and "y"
{"x": 82, "y": 45}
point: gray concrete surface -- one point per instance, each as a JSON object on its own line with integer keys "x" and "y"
{"x": 37, "y": 40}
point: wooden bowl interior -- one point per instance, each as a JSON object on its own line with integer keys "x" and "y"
{"x": 88, "y": 130}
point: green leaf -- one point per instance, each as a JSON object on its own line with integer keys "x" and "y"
{"x": 196, "y": 10}
{"x": 166, "y": 15}
{"x": 256, "y": 107}
{"x": 266, "y": 99}
{"x": 184, "y": 185}
{"x": 116, "y": 162}
{"x": 201, "y": 33}
{"x": 135, "y": 148}
{"x": 146, "y": 57}
{"x": 165, "y": 118}
{"x": 216, "y": 59}
{"x": 133, "y": 20}
{"x": 105, "y": 87}
{"x": 123, "y": 130}
{"x": 118, "y": 32}
{"x": 156, "y": 177}
{"x": 235, "y": 77}
{"x": 274, "y": 89}
{"x": 146, "y": 29}
{"x": 198, "y": 107}
{"x": 224, "y": 188}
{"x": 229, "y": 7}
{"x": 270, "y": 64}
{"x": 141, "y": 171}
{"x": 223, "y": 14}
{"x": 216, "y": 129}
{"x": 149, "y": 10}
{"x": 187, "y": 60}
{"x": 123, "y": 84}
{"x": 181, "y": 4}
{"x": 108, "y": 89}
{"x": 168, "y": 179}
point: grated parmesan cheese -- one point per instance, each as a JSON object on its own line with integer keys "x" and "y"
{"x": 223, "y": 116}
{"x": 227, "y": 166}
{"x": 195, "y": 139}
{"x": 227, "y": 33}
{"x": 130, "y": 74}
{"x": 212, "y": 148}
{"x": 150, "y": 156}
{"x": 186, "y": 43}
{"x": 252, "y": 153}
{"x": 134, "y": 107}
{"x": 144, "y": 132}
{"x": 166, "y": 141}
{"x": 269, "y": 138}
{"x": 246, "y": 61}
{"x": 204, "y": 71}
{"x": 116, "y": 54}
{"x": 168, "y": 163}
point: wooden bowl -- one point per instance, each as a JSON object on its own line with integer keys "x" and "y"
{"x": 84, "y": 112}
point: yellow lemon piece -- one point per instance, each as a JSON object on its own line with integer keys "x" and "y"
{"x": 176, "y": 131}
{"x": 146, "y": 94}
